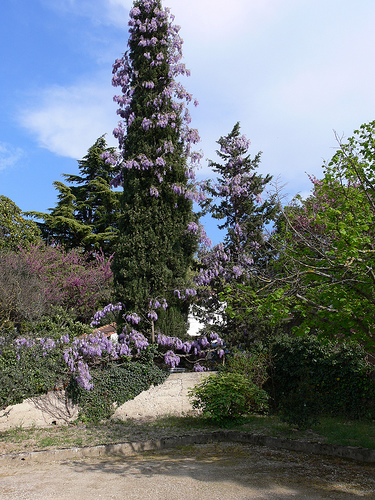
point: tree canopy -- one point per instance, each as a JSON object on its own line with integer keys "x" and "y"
{"x": 15, "y": 229}
{"x": 157, "y": 241}
{"x": 86, "y": 214}
{"x": 235, "y": 199}
{"x": 322, "y": 280}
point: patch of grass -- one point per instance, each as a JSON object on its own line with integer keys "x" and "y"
{"x": 330, "y": 430}
{"x": 348, "y": 433}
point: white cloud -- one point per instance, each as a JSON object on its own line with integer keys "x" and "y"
{"x": 223, "y": 21}
{"x": 68, "y": 120}
{"x": 339, "y": 81}
{"x": 9, "y": 155}
{"x": 290, "y": 72}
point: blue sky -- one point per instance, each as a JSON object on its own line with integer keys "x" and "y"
{"x": 290, "y": 71}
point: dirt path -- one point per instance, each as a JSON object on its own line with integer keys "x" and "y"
{"x": 205, "y": 472}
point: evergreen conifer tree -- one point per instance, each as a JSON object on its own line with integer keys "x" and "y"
{"x": 157, "y": 238}
{"x": 236, "y": 200}
{"x": 15, "y": 230}
{"x": 87, "y": 211}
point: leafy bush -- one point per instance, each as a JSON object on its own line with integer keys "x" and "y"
{"x": 309, "y": 376}
{"x": 114, "y": 384}
{"x": 252, "y": 364}
{"x": 228, "y": 396}
{"x": 28, "y": 369}
{"x": 58, "y": 322}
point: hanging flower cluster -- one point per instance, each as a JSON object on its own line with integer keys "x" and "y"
{"x": 90, "y": 350}
{"x": 100, "y": 315}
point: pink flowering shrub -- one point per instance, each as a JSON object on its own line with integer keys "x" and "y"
{"x": 75, "y": 280}
{"x": 40, "y": 276}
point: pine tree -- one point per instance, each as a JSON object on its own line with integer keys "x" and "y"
{"x": 236, "y": 200}
{"x": 87, "y": 212}
{"x": 155, "y": 247}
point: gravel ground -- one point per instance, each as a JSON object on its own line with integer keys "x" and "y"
{"x": 209, "y": 472}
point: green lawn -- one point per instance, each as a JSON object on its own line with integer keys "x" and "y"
{"x": 329, "y": 430}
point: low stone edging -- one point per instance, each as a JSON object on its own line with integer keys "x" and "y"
{"x": 127, "y": 449}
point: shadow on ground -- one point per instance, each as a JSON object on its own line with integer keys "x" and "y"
{"x": 237, "y": 471}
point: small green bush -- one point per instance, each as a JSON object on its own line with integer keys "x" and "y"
{"x": 58, "y": 322}
{"x": 228, "y": 396}
{"x": 114, "y": 384}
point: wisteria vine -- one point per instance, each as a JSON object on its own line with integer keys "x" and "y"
{"x": 154, "y": 37}
{"x": 80, "y": 354}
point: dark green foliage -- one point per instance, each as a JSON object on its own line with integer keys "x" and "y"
{"x": 114, "y": 385}
{"x": 15, "y": 229}
{"x": 154, "y": 250}
{"x": 252, "y": 364}
{"x": 87, "y": 212}
{"x": 172, "y": 322}
{"x": 153, "y": 253}
{"x": 26, "y": 372}
{"x": 309, "y": 378}
{"x": 228, "y": 396}
{"x": 58, "y": 322}
{"x": 302, "y": 406}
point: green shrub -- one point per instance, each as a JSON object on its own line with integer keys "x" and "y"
{"x": 58, "y": 322}
{"x": 228, "y": 396}
{"x": 28, "y": 371}
{"x": 252, "y": 364}
{"x": 114, "y": 384}
{"x": 327, "y": 379}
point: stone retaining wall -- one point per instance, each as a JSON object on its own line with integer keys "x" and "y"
{"x": 44, "y": 411}
{"x": 169, "y": 398}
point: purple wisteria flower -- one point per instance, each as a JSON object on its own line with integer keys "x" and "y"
{"x": 83, "y": 378}
{"x": 171, "y": 359}
{"x": 152, "y": 315}
{"x": 193, "y": 227}
{"x": 133, "y": 318}
{"x": 155, "y": 31}
{"x": 199, "y": 368}
{"x": 154, "y": 192}
{"x": 99, "y": 315}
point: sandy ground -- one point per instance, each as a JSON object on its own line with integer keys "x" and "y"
{"x": 205, "y": 472}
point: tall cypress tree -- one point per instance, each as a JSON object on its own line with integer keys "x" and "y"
{"x": 155, "y": 247}
{"x": 87, "y": 212}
